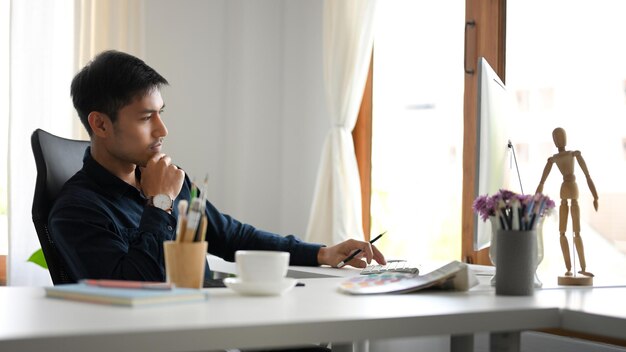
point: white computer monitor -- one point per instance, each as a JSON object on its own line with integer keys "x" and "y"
{"x": 492, "y": 159}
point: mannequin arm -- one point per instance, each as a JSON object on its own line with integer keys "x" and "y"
{"x": 592, "y": 187}
{"x": 544, "y": 176}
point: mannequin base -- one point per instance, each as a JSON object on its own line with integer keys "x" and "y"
{"x": 575, "y": 281}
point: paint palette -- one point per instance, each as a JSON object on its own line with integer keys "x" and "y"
{"x": 453, "y": 275}
{"x": 376, "y": 283}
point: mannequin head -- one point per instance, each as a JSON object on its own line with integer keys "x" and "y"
{"x": 559, "y": 137}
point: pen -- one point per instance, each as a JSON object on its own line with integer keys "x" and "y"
{"x": 194, "y": 191}
{"x": 351, "y": 256}
{"x": 182, "y": 219}
{"x": 201, "y": 233}
{"x": 205, "y": 189}
{"x": 193, "y": 220}
{"x": 515, "y": 218}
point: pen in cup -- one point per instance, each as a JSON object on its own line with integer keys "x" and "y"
{"x": 193, "y": 220}
{"x": 355, "y": 253}
{"x": 182, "y": 219}
{"x": 201, "y": 232}
{"x": 203, "y": 192}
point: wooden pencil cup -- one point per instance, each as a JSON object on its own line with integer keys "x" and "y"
{"x": 185, "y": 263}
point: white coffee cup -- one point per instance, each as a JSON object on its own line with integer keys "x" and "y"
{"x": 261, "y": 266}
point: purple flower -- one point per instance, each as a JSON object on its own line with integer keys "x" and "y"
{"x": 505, "y": 195}
{"x": 547, "y": 207}
{"x": 485, "y": 205}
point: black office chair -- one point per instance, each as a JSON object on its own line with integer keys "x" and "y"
{"x": 57, "y": 160}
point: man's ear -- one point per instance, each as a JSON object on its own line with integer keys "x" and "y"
{"x": 100, "y": 123}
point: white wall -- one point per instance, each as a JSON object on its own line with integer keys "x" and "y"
{"x": 245, "y": 102}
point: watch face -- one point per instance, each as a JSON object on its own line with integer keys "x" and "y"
{"x": 162, "y": 201}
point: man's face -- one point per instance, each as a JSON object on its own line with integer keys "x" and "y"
{"x": 139, "y": 131}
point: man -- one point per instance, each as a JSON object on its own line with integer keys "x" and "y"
{"x": 111, "y": 217}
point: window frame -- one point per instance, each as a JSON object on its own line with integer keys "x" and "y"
{"x": 362, "y": 139}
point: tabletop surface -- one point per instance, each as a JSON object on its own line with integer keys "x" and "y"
{"x": 313, "y": 313}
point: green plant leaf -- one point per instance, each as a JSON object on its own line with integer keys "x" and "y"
{"x": 38, "y": 259}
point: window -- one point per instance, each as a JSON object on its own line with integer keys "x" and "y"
{"x": 418, "y": 129}
{"x": 570, "y": 75}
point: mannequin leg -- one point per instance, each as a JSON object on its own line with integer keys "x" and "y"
{"x": 578, "y": 240}
{"x": 563, "y": 212}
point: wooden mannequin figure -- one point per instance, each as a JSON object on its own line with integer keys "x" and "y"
{"x": 564, "y": 160}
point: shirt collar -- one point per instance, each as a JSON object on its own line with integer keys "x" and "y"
{"x": 105, "y": 179}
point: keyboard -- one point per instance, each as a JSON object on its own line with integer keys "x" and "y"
{"x": 213, "y": 283}
{"x": 396, "y": 266}
{"x": 217, "y": 283}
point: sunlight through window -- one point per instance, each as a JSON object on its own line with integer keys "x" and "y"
{"x": 418, "y": 129}
{"x": 566, "y": 74}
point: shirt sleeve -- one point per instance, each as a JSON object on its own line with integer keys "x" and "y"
{"x": 94, "y": 246}
{"x": 226, "y": 235}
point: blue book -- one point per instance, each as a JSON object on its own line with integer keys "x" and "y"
{"x": 124, "y": 296}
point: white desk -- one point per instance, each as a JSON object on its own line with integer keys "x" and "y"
{"x": 314, "y": 313}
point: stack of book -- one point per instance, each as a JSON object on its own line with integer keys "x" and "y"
{"x": 125, "y": 293}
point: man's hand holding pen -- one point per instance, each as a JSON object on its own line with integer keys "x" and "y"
{"x": 334, "y": 255}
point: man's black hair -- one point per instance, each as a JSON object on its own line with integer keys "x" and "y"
{"x": 111, "y": 81}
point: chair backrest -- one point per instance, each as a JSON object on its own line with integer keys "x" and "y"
{"x": 57, "y": 159}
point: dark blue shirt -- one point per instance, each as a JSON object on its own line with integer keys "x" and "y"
{"x": 103, "y": 229}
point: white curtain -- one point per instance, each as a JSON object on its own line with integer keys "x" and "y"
{"x": 41, "y": 64}
{"x": 49, "y": 41}
{"x": 348, "y": 35}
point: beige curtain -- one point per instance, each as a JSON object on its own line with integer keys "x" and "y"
{"x": 103, "y": 25}
{"x": 348, "y": 34}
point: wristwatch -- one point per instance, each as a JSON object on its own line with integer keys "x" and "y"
{"x": 161, "y": 201}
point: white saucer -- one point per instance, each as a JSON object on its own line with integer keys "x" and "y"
{"x": 260, "y": 288}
